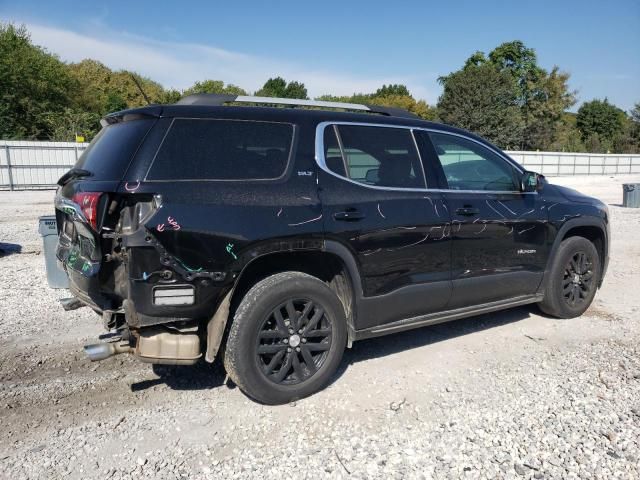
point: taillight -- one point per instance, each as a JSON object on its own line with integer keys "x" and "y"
{"x": 88, "y": 202}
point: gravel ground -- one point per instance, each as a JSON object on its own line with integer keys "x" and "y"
{"x": 505, "y": 395}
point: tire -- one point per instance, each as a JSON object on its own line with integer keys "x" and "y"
{"x": 265, "y": 359}
{"x": 573, "y": 279}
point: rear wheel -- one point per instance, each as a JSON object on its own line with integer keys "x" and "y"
{"x": 287, "y": 338}
{"x": 573, "y": 279}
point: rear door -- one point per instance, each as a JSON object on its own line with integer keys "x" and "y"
{"x": 375, "y": 201}
{"x": 498, "y": 232}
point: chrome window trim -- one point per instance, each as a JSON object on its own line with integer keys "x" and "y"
{"x": 319, "y": 157}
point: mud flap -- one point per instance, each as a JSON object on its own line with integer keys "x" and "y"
{"x": 216, "y": 326}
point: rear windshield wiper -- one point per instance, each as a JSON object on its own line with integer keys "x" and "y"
{"x": 73, "y": 173}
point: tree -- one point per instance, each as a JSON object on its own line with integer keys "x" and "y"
{"x": 548, "y": 97}
{"x": 99, "y": 90}
{"x": 214, "y": 86}
{"x": 599, "y": 117}
{"x": 542, "y": 97}
{"x": 567, "y": 136}
{"x": 634, "y": 117}
{"x": 483, "y": 99}
{"x": 397, "y": 96}
{"x": 396, "y": 90}
{"x": 278, "y": 87}
{"x": 33, "y": 84}
{"x": 65, "y": 125}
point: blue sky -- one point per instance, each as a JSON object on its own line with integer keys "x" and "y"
{"x": 341, "y": 46}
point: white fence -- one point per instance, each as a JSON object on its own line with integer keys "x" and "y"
{"x": 561, "y": 163}
{"x": 34, "y": 165}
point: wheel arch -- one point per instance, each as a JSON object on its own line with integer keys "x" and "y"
{"x": 333, "y": 263}
{"x": 593, "y": 229}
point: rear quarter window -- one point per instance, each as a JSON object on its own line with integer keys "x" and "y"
{"x": 108, "y": 156}
{"x": 211, "y": 149}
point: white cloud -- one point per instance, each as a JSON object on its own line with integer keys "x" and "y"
{"x": 179, "y": 65}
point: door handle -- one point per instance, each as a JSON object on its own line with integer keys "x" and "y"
{"x": 467, "y": 211}
{"x": 349, "y": 215}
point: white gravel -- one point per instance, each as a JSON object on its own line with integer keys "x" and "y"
{"x": 506, "y": 395}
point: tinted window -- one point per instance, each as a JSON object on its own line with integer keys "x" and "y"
{"x": 205, "y": 149}
{"x": 110, "y": 152}
{"x": 380, "y": 156}
{"x": 468, "y": 165}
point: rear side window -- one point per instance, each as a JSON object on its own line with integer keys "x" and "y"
{"x": 379, "y": 156}
{"x": 110, "y": 152}
{"x": 208, "y": 149}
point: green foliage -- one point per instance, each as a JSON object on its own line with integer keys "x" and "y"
{"x": 100, "y": 90}
{"x": 397, "y": 96}
{"x": 505, "y": 96}
{"x": 599, "y": 117}
{"x": 214, "y": 86}
{"x": 65, "y": 125}
{"x": 390, "y": 90}
{"x": 278, "y": 87}
{"x": 483, "y": 99}
{"x": 541, "y": 97}
{"x": 33, "y": 84}
{"x": 548, "y": 97}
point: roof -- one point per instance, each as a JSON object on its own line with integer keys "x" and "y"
{"x": 212, "y": 106}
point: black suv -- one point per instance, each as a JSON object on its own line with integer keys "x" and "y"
{"x": 275, "y": 237}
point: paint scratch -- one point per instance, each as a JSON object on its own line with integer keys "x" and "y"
{"x": 484, "y": 227}
{"x": 130, "y": 188}
{"x": 380, "y": 212}
{"x": 412, "y": 244}
{"x": 525, "y": 213}
{"x": 512, "y": 212}
{"x": 526, "y": 230}
{"x": 229, "y": 249}
{"x": 279, "y": 212}
{"x": 306, "y": 221}
{"x": 491, "y": 207}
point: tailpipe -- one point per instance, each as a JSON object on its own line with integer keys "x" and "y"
{"x": 102, "y": 351}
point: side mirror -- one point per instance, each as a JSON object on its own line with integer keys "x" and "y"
{"x": 531, "y": 182}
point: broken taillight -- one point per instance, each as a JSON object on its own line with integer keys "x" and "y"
{"x": 88, "y": 202}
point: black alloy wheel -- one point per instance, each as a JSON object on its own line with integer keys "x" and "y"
{"x": 293, "y": 341}
{"x": 286, "y": 339}
{"x": 577, "y": 282}
{"x": 572, "y": 280}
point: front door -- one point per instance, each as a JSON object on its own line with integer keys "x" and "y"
{"x": 375, "y": 202}
{"x": 498, "y": 232}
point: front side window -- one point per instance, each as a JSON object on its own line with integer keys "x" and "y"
{"x": 377, "y": 156}
{"x": 209, "y": 149}
{"x": 468, "y": 165}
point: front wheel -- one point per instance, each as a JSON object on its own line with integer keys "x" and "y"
{"x": 287, "y": 338}
{"x": 573, "y": 279}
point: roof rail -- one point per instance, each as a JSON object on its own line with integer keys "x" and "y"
{"x": 216, "y": 100}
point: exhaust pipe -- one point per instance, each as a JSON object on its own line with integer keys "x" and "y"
{"x": 101, "y": 351}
